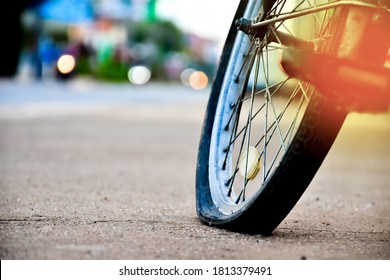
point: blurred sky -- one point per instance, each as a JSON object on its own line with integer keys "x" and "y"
{"x": 210, "y": 18}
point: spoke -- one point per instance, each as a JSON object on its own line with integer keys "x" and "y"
{"x": 280, "y": 85}
{"x": 326, "y": 20}
{"x": 236, "y": 168}
{"x": 277, "y": 37}
{"x": 236, "y": 80}
{"x": 265, "y": 140}
{"x": 295, "y": 118}
{"x": 230, "y": 182}
{"x": 290, "y": 132}
{"x": 322, "y": 35}
{"x": 239, "y": 197}
{"x": 235, "y": 107}
{"x": 276, "y": 5}
{"x": 232, "y": 135}
{"x": 289, "y": 39}
{"x": 304, "y": 92}
{"x": 315, "y": 14}
{"x": 312, "y": 10}
{"x": 275, "y": 48}
{"x": 293, "y": 10}
{"x": 265, "y": 123}
{"x": 266, "y": 75}
{"x": 282, "y": 6}
{"x": 287, "y": 29}
{"x": 231, "y": 179}
{"x": 279, "y": 117}
{"x": 239, "y": 100}
{"x": 249, "y": 121}
{"x": 247, "y": 129}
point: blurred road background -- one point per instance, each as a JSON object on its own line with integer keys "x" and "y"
{"x": 100, "y": 164}
{"x": 134, "y": 41}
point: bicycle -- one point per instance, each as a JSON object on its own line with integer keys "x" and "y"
{"x": 289, "y": 74}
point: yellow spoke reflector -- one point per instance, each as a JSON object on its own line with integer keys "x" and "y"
{"x": 249, "y": 166}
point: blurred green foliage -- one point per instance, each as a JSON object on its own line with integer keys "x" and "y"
{"x": 111, "y": 70}
{"x": 150, "y": 43}
{"x": 161, "y": 33}
{"x": 162, "y": 38}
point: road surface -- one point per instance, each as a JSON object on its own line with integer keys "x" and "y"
{"x": 97, "y": 171}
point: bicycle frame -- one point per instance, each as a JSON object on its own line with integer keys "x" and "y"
{"x": 319, "y": 8}
{"x": 356, "y": 77}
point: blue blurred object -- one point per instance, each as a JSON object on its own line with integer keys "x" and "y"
{"x": 49, "y": 51}
{"x": 67, "y": 11}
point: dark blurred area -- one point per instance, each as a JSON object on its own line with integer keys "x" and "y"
{"x": 110, "y": 40}
{"x": 12, "y": 32}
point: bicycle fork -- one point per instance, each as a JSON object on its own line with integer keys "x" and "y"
{"x": 357, "y": 74}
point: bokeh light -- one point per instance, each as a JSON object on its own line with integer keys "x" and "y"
{"x": 185, "y": 76}
{"x": 198, "y": 80}
{"x": 66, "y": 64}
{"x": 139, "y": 75}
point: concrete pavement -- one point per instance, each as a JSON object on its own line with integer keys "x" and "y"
{"x": 82, "y": 179}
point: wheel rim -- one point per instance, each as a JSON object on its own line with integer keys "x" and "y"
{"x": 259, "y": 109}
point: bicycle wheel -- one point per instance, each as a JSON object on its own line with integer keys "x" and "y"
{"x": 264, "y": 135}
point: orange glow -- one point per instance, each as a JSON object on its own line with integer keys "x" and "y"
{"x": 387, "y": 62}
{"x": 198, "y": 80}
